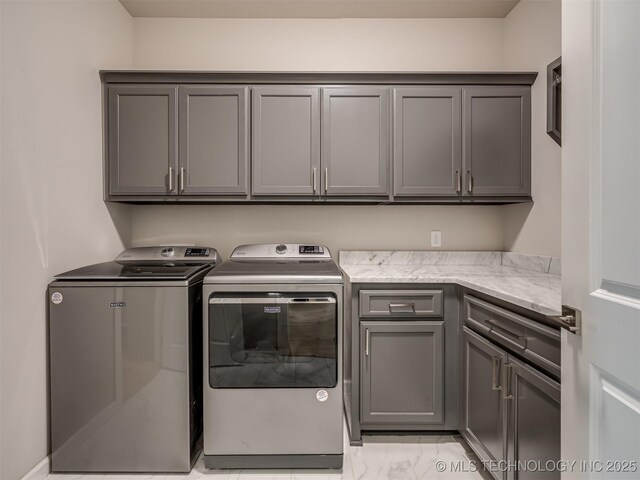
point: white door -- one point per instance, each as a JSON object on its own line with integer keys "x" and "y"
{"x": 601, "y": 236}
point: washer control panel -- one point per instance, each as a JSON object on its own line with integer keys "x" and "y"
{"x": 279, "y": 251}
{"x": 168, "y": 253}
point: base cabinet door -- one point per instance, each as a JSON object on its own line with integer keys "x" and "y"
{"x": 484, "y": 409}
{"x": 402, "y": 365}
{"x": 534, "y": 423}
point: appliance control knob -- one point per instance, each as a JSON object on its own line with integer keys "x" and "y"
{"x": 280, "y": 249}
{"x": 167, "y": 252}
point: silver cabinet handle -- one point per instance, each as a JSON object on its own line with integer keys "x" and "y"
{"x": 313, "y": 176}
{"x": 495, "y": 373}
{"x": 495, "y": 324}
{"x": 458, "y": 181}
{"x": 469, "y": 181}
{"x": 183, "y": 174}
{"x": 506, "y": 381}
{"x": 326, "y": 180}
{"x": 366, "y": 342}
{"x": 171, "y": 179}
{"x": 402, "y": 307}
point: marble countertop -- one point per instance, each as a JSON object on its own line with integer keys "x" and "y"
{"x": 522, "y": 280}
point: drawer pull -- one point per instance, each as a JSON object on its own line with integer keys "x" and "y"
{"x": 496, "y": 361}
{"x": 521, "y": 338}
{"x": 402, "y": 307}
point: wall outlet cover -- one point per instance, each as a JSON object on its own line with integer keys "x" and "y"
{"x": 436, "y": 238}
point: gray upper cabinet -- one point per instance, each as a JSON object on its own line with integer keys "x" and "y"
{"x": 484, "y": 411}
{"x": 355, "y": 141}
{"x": 309, "y": 137}
{"x": 496, "y": 146}
{"x": 214, "y": 140}
{"x": 142, "y": 139}
{"x": 534, "y": 431}
{"x": 402, "y": 365}
{"x": 286, "y": 140}
{"x": 427, "y": 154}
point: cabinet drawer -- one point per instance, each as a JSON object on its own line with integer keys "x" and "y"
{"x": 400, "y": 303}
{"x": 535, "y": 341}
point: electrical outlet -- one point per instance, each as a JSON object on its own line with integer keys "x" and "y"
{"x": 436, "y": 238}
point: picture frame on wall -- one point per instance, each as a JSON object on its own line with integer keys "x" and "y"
{"x": 554, "y": 100}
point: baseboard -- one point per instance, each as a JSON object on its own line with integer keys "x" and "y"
{"x": 40, "y": 471}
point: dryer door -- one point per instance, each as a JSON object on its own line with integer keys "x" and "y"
{"x": 273, "y": 340}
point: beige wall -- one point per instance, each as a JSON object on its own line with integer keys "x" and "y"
{"x": 53, "y": 216}
{"x": 340, "y": 227}
{"x": 532, "y": 41}
{"x": 308, "y": 44}
{"x": 350, "y": 44}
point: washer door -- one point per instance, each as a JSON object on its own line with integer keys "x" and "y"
{"x": 273, "y": 340}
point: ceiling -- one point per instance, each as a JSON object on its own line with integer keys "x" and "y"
{"x": 320, "y": 8}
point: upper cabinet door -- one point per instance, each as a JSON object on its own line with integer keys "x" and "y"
{"x": 286, "y": 140}
{"x": 213, "y": 140}
{"x": 497, "y": 141}
{"x": 142, "y": 140}
{"x": 355, "y": 141}
{"x": 427, "y": 141}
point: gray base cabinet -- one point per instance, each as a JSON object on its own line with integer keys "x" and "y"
{"x": 484, "y": 410}
{"x": 402, "y": 366}
{"x": 534, "y": 421}
{"x": 511, "y": 411}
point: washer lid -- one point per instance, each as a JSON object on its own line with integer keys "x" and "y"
{"x": 150, "y": 271}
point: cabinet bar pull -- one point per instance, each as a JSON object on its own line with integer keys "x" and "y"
{"x": 183, "y": 173}
{"x": 495, "y": 373}
{"x": 313, "y": 177}
{"x": 469, "y": 181}
{"x": 326, "y": 180}
{"x": 171, "y": 179}
{"x": 458, "y": 181}
{"x": 506, "y": 381}
{"x": 402, "y": 307}
{"x": 366, "y": 342}
{"x": 494, "y": 324}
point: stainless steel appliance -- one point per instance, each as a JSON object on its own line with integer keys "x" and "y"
{"x": 273, "y": 359}
{"x": 125, "y": 362}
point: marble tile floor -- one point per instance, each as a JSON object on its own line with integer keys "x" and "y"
{"x": 382, "y": 457}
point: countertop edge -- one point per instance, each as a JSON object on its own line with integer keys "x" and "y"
{"x": 520, "y": 302}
